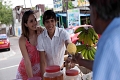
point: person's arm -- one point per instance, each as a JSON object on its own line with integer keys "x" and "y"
{"x": 24, "y": 52}
{"x": 86, "y": 63}
{"x": 42, "y": 63}
{"x": 83, "y": 62}
{"x": 40, "y": 48}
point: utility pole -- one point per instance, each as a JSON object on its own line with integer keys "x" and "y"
{"x": 65, "y": 7}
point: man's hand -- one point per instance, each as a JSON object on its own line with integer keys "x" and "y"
{"x": 76, "y": 58}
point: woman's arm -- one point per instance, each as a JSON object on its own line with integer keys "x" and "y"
{"x": 24, "y": 52}
{"x": 42, "y": 62}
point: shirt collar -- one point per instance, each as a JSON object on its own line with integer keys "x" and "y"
{"x": 55, "y": 34}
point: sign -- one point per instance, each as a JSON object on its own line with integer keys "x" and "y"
{"x": 57, "y": 5}
{"x": 73, "y": 17}
{"x": 83, "y": 2}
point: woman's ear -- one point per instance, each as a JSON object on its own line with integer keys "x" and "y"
{"x": 25, "y": 24}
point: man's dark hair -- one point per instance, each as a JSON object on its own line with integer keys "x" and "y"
{"x": 106, "y": 9}
{"x": 49, "y": 14}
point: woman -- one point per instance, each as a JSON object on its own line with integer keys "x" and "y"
{"x": 30, "y": 63}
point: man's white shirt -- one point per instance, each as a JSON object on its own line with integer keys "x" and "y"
{"x": 54, "y": 48}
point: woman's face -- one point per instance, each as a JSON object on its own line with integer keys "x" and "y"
{"x": 32, "y": 22}
{"x": 50, "y": 25}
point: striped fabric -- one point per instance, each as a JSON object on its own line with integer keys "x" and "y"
{"x": 107, "y": 58}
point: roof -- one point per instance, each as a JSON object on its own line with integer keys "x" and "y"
{"x": 65, "y": 14}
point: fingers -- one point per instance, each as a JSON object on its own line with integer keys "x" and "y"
{"x": 39, "y": 30}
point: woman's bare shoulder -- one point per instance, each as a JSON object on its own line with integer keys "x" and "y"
{"x": 22, "y": 39}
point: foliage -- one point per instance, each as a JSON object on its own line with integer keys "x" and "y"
{"x": 5, "y": 13}
{"x": 70, "y": 5}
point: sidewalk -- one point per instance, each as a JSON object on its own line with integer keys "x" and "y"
{"x": 4, "y": 54}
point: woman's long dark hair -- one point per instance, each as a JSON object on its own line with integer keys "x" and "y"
{"x": 25, "y": 31}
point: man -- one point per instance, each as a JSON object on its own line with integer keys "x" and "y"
{"x": 105, "y": 18}
{"x": 52, "y": 42}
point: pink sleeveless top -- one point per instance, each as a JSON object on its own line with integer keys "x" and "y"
{"x": 35, "y": 62}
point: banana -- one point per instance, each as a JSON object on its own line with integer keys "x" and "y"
{"x": 96, "y": 36}
{"x": 90, "y": 55}
{"x": 80, "y": 48}
{"x": 91, "y": 33}
{"x": 81, "y": 36}
{"x": 90, "y": 42}
{"x": 93, "y": 49}
{"x": 83, "y": 52}
{"x": 79, "y": 29}
{"x": 85, "y": 40}
{"x": 86, "y": 54}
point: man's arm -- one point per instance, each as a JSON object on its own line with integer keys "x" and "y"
{"x": 40, "y": 48}
{"x": 42, "y": 62}
{"x": 83, "y": 62}
{"x": 86, "y": 63}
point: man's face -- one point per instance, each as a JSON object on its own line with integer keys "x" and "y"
{"x": 50, "y": 25}
{"x": 94, "y": 19}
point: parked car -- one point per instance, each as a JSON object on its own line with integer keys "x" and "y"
{"x": 73, "y": 36}
{"x": 4, "y": 42}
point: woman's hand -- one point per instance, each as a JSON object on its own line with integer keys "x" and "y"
{"x": 39, "y": 30}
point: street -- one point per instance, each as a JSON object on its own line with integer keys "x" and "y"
{"x": 9, "y": 60}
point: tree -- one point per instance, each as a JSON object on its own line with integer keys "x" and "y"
{"x": 70, "y": 5}
{"x": 6, "y": 16}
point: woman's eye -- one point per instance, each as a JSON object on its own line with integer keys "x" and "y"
{"x": 35, "y": 19}
{"x": 46, "y": 21}
{"x": 31, "y": 20}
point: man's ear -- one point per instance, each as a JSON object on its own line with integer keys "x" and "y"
{"x": 96, "y": 17}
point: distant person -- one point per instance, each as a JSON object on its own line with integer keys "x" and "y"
{"x": 30, "y": 64}
{"x": 52, "y": 42}
{"x": 105, "y": 18}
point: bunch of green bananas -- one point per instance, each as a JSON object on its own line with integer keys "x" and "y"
{"x": 88, "y": 52}
{"x": 88, "y": 36}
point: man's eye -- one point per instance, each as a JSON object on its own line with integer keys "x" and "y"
{"x": 52, "y": 20}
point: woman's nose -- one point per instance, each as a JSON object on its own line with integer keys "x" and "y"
{"x": 35, "y": 22}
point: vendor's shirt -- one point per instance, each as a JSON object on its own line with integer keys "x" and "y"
{"x": 54, "y": 48}
{"x": 107, "y": 58}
